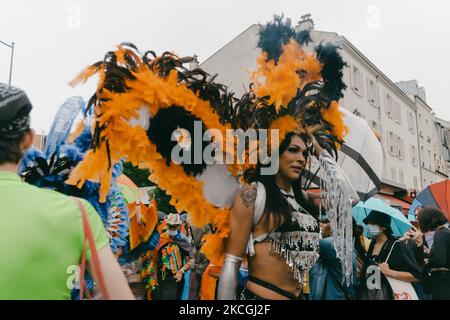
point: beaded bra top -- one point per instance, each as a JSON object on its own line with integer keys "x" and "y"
{"x": 297, "y": 239}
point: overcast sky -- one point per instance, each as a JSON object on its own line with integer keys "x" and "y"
{"x": 55, "y": 40}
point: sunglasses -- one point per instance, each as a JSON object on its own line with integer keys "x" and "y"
{"x": 173, "y": 227}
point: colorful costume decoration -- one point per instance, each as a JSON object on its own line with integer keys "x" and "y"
{"x": 146, "y": 105}
{"x": 51, "y": 169}
{"x": 168, "y": 253}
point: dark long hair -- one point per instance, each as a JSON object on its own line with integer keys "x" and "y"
{"x": 10, "y": 151}
{"x": 276, "y": 204}
{"x": 430, "y": 218}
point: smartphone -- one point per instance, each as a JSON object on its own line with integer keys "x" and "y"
{"x": 415, "y": 224}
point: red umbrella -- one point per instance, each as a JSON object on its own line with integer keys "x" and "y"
{"x": 436, "y": 195}
{"x": 441, "y": 193}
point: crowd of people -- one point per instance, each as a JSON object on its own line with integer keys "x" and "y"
{"x": 420, "y": 257}
{"x": 261, "y": 234}
{"x": 411, "y": 259}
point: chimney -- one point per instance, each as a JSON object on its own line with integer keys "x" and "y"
{"x": 305, "y": 23}
{"x": 412, "y": 87}
{"x": 422, "y": 94}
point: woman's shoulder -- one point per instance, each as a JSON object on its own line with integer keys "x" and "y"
{"x": 442, "y": 234}
{"x": 246, "y": 196}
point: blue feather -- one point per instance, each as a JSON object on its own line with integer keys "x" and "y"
{"x": 71, "y": 151}
{"x": 84, "y": 140}
{"x": 62, "y": 124}
{"x": 29, "y": 158}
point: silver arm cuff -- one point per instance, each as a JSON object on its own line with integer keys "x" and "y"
{"x": 229, "y": 278}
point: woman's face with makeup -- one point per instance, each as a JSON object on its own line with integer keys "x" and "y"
{"x": 293, "y": 159}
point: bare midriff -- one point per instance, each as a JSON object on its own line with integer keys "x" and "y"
{"x": 273, "y": 269}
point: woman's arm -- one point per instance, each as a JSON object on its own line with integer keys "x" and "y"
{"x": 115, "y": 281}
{"x": 240, "y": 223}
{"x": 399, "y": 275}
{"x": 187, "y": 266}
{"x": 409, "y": 269}
{"x": 179, "y": 275}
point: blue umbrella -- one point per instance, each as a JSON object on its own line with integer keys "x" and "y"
{"x": 399, "y": 223}
{"x": 412, "y": 209}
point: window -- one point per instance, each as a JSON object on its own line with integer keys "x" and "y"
{"x": 389, "y": 106}
{"x": 425, "y": 183}
{"x": 416, "y": 183}
{"x": 397, "y": 112}
{"x": 420, "y": 123}
{"x": 393, "y": 174}
{"x": 414, "y": 155}
{"x": 401, "y": 176}
{"x": 357, "y": 80}
{"x": 429, "y": 159}
{"x": 396, "y": 146}
{"x": 372, "y": 92}
{"x": 391, "y": 143}
{"x": 411, "y": 122}
{"x": 422, "y": 152}
{"x": 400, "y": 148}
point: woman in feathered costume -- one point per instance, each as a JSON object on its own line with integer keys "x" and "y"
{"x": 146, "y": 106}
{"x": 273, "y": 223}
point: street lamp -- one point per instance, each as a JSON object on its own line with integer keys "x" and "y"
{"x": 11, "y": 46}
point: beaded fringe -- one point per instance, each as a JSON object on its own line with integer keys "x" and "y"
{"x": 337, "y": 204}
{"x": 300, "y": 262}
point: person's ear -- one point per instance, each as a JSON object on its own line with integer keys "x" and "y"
{"x": 27, "y": 140}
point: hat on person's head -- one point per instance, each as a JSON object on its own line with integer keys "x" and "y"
{"x": 173, "y": 219}
{"x": 15, "y": 110}
{"x": 378, "y": 218}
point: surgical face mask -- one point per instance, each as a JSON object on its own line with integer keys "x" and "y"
{"x": 373, "y": 231}
{"x": 172, "y": 233}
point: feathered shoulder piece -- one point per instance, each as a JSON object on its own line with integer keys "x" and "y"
{"x": 144, "y": 106}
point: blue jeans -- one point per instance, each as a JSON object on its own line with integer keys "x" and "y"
{"x": 325, "y": 278}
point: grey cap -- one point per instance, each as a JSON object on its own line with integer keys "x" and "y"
{"x": 15, "y": 110}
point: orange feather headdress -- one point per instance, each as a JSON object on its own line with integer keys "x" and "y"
{"x": 141, "y": 99}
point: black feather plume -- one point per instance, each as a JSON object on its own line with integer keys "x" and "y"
{"x": 274, "y": 35}
{"x": 332, "y": 71}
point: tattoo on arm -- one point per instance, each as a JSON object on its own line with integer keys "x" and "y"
{"x": 248, "y": 196}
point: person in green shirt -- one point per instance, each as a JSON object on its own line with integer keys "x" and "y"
{"x": 41, "y": 231}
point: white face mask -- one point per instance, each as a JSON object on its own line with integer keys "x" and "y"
{"x": 172, "y": 233}
{"x": 373, "y": 230}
